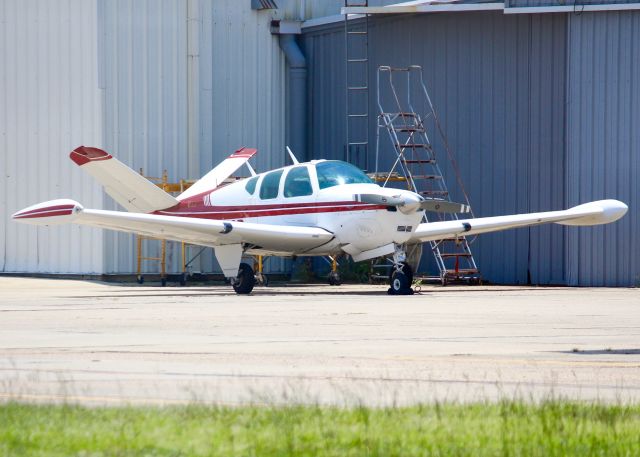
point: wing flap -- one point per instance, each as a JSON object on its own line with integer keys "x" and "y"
{"x": 594, "y": 213}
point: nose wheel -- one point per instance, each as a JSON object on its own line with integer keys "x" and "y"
{"x": 402, "y": 275}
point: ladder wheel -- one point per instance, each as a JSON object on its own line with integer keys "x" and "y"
{"x": 246, "y": 279}
{"x": 140, "y": 279}
{"x": 183, "y": 279}
{"x": 163, "y": 282}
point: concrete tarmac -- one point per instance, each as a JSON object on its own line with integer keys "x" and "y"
{"x": 99, "y": 343}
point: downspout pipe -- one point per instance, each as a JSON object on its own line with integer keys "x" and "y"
{"x": 297, "y": 94}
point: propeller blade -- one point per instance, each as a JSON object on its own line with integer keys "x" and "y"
{"x": 376, "y": 199}
{"x": 443, "y": 206}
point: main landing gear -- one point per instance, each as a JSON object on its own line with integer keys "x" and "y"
{"x": 334, "y": 277}
{"x": 246, "y": 279}
{"x": 402, "y": 275}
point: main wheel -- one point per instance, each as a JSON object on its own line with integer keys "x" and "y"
{"x": 334, "y": 279}
{"x": 245, "y": 280}
{"x": 400, "y": 284}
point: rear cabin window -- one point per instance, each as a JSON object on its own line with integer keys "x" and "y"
{"x": 251, "y": 185}
{"x": 335, "y": 172}
{"x": 270, "y": 184}
{"x": 297, "y": 183}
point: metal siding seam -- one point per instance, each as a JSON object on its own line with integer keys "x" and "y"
{"x": 3, "y": 140}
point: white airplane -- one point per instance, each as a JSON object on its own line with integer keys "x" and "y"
{"x": 317, "y": 208}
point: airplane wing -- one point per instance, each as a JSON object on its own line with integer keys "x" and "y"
{"x": 203, "y": 232}
{"x": 594, "y": 213}
{"x": 217, "y": 176}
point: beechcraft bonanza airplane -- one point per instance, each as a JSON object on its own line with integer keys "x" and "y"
{"x": 318, "y": 208}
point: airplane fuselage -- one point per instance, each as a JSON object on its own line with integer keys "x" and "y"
{"x": 278, "y": 198}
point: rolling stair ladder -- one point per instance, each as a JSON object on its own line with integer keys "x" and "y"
{"x": 416, "y": 161}
{"x": 356, "y": 35}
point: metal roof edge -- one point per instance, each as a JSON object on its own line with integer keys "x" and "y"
{"x": 571, "y": 8}
{"x": 357, "y": 12}
{"x": 422, "y": 8}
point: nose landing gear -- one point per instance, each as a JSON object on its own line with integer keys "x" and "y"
{"x": 402, "y": 275}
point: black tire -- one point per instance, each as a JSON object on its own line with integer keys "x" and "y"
{"x": 334, "y": 279}
{"x": 400, "y": 284}
{"x": 140, "y": 279}
{"x": 245, "y": 280}
{"x": 408, "y": 271}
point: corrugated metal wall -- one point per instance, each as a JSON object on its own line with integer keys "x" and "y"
{"x": 49, "y": 104}
{"x": 603, "y": 143}
{"x": 240, "y": 89}
{"x": 142, "y": 58}
{"x": 498, "y": 83}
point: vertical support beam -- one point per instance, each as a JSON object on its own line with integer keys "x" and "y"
{"x": 297, "y": 94}
{"x": 193, "y": 88}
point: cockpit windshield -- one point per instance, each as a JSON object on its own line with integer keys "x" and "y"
{"x": 335, "y": 172}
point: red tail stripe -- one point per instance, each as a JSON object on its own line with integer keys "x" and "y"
{"x": 85, "y": 154}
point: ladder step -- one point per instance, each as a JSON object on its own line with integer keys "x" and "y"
{"x": 356, "y": 32}
{"x": 357, "y": 60}
{"x": 455, "y": 255}
{"x": 358, "y": 115}
{"x": 412, "y": 145}
{"x": 407, "y": 129}
{"x": 418, "y": 161}
{"x": 463, "y": 271}
{"x": 434, "y": 192}
{"x": 358, "y": 143}
{"x": 400, "y": 114}
{"x": 434, "y": 177}
{"x": 358, "y": 88}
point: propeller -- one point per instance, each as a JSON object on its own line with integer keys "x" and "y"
{"x": 443, "y": 206}
{"x": 377, "y": 199}
{"x": 407, "y": 206}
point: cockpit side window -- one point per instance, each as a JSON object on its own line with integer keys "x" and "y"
{"x": 270, "y": 184}
{"x": 335, "y": 172}
{"x": 297, "y": 183}
{"x": 251, "y": 185}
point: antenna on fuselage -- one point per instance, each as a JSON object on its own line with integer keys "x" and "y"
{"x": 251, "y": 170}
{"x": 293, "y": 157}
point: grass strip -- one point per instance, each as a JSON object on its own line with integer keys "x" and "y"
{"x": 508, "y": 428}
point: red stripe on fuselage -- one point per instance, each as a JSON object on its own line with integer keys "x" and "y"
{"x": 240, "y": 212}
